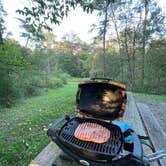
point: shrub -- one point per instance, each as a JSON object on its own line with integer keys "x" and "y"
{"x": 54, "y": 82}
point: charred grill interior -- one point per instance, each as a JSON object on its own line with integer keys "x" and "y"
{"x": 110, "y": 148}
{"x": 101, "y": 100}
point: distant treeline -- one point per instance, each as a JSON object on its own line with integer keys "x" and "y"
{"x": 25, "y": 72}
{"x": 134, "y": 54}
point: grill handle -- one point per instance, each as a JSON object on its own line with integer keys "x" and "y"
{"x": 101, "y": 78}
{"x": 51, "y": 131}
{"x": 137, "y": 150}
{"x": 137, "y": 147}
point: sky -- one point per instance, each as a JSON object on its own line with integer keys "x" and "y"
{"x": 77, "y": 22}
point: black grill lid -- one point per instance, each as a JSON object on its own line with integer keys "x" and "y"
{"x": 104, "y": 100}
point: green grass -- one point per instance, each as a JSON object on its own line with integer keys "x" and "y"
{"x": 142, "y": 96}
{"x": 23, "y": 127}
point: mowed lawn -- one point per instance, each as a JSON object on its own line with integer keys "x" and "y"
{"x": 23, "y": 127}
{"x": 146, "y": 97}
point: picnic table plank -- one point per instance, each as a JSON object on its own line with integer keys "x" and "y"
{"x": 47, "y": 156}
{"x": 132, "y": 116}
{"x": 155, "y": 132}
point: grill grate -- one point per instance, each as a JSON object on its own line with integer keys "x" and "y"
{"x": 111, "y": 147}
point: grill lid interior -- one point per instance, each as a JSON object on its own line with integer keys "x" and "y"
{"x": 102, "y": 100}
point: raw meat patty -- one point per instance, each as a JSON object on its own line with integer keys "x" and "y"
{"x": 92, "y": 132}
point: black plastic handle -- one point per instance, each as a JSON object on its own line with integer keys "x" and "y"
{"x": 100, "y": 78}
{"x": 51, "y": 131}
{"x": 137, "y": 147}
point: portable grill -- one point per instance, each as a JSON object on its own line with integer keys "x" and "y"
{"x": 100, "y": 102}
{"x": 103, "y": 151}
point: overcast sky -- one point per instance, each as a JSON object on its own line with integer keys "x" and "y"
{"x": 78, "y": 21}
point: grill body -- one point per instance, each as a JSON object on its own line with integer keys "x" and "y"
{"x": 97, "y": 155}
{"x": 99, "y": 102}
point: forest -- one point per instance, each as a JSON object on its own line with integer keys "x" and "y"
{"x": 129, "y": 47}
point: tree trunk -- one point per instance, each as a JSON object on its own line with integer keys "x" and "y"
{"x": 144, "y": 40}
{"x": 1, "y": 39}
{"x": 133, "y": 58}
{"x": 48, "y": 66}
{"x": 27, "y": 41}
{"x": 119, "y": 43}
{"x": 128, "y": 58}
{"x": 104, "y": 38}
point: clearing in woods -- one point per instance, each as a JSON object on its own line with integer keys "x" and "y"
{"x": 23, "y": 127}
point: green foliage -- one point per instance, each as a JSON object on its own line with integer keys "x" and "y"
{"x": 29, "y": 82}
{"x": 10, "y": 60}
{"x": 155, "y": 69}
{"x": 2, "y": 21}
{"x": 23, "y": 73}
{"x": 74, "y": 56}
{"x": 54, "y": 82}
{"x": 70, "y": 64}
{"x": 29, "y": 32}
{"x": 43, "y": 13}
{"x": 8, "y": 91}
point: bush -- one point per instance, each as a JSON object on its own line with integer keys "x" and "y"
{"x": 29, "y": 82}
{"x": 63, "y": 76}
{"x": 54, "y": 82}
{"x": 8, "y": 92}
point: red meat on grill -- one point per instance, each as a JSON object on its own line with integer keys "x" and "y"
{"x": 92, "y": 132}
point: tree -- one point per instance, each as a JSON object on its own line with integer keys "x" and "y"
{"x": 155, "y": 67}
{"x": 151, "y": 25}
{"x": 42, "y": 13}
{"x": 102, "y": 7}
{"x": 136, "y": 27}
{"x": 30, "y": 34}
{"x": 11, "y": 60}
{"x": 72, "y": 49}
{"x": 2, "y": 27}
{"x": 146, "y": 10}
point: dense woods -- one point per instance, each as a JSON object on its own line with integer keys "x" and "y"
{"x": 129, "y": 48}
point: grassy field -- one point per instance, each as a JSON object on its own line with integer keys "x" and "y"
{"x": 23, "y": 127}
{"x": 141, "y": 96}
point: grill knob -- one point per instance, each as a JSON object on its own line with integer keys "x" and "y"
{"x": 83, "y": 162}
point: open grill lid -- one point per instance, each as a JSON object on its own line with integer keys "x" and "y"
{"x": 101, "y": 99}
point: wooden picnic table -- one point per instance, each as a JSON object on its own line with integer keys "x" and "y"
{"x": 138, "y": 115}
